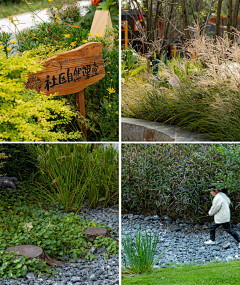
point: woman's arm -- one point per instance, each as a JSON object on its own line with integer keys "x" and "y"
{"x": 216, "y": 206}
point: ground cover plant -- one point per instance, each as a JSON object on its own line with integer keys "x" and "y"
{"x": 44, "y": 41}
{"x": 213, "y": 273}
{"x": 173, "y": 179}
{"x": 199, "y": 93}
{"x": 30, "y": 216}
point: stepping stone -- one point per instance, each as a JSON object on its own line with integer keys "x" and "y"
{"x": 226, "y": 246}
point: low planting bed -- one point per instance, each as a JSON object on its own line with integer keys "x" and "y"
{"x": 65, "y": 208}
{"x": 61, "y": 235}
{"x": 198, "y": 94}
{"x": 182, "y": 240}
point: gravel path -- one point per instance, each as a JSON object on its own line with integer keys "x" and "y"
{"x": 80, "y": 272}
{"x": 186, "y": 240}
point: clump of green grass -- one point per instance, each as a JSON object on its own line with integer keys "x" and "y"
{"x": 140, "y": 251}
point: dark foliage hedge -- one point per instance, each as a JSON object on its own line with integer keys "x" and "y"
{"x": 19, "y": 162}
{"x": 173, "y": 179}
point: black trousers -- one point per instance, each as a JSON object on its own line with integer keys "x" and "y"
{"x": 227, "y": 227}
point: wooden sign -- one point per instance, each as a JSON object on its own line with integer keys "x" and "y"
{"x": 70, "y": 72}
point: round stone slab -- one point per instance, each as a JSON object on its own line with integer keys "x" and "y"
{"x": 95, "y": 232}
{"x": 32, "y": 251}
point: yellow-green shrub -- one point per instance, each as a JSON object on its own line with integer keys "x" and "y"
{"x": 26, "y": 115}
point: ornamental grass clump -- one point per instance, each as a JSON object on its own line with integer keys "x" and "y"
{"x": 200, "y": 95}
{"x": 71, "y": 174}
{"x": 139, "y": 252}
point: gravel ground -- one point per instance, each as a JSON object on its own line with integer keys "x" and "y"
{"x": 95, "y": 272}
{"x": 186, "y": 240}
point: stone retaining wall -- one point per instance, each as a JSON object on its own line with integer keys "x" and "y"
{"x": 142, "y": 130}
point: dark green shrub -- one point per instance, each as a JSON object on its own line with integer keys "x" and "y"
{"x": 19, "y": 162}
{"x": 173, "y": 179}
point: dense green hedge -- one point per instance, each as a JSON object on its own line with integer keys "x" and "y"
{"x": 173, "y": 179}
{"x": 19, "y": 162}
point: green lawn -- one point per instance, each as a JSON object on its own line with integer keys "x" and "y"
{"x": 212, "y": 273}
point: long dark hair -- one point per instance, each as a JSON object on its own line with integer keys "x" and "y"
{"x": 224, "y": 190}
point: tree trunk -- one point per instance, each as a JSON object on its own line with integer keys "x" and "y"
{"x": 229, "y": 17}
{"x": 218, "y": 18}
{"x": 208, "y": 16}
{"x": 235, "y": 16}
{"x": 165, "y": 43}
{"x": 33, "y": 251}
{"x": 185, "y": 18}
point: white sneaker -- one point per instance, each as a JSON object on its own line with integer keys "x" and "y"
{"x": 209, "y": 242}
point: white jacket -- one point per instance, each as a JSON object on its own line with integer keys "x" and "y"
{"x": 220, "y": 208}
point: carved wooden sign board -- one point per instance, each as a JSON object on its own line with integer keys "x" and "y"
{"x": 70, "y": 72}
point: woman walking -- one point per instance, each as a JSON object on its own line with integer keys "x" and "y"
{"x": 221, "y": 212}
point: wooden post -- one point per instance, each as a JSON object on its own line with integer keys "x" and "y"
{"x": 80, "y": 106}
{"x": 175, "y": 51}
{"x": 126, "y": 34}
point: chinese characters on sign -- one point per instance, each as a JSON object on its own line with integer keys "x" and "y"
{"x": 73, "y": 74}
{"x": 69, "y": 72}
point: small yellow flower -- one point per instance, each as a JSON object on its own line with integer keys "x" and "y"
{"x": 67, "y": 36}
{"x": 9, "y": 48}
{"x": 50, "y": 0}
{"x": 109, "y": 106}
{"x": 108, "y": 72}
{"x": 111, "y": 80}
{"x": 73, "y": 44}
{"x": 89, "y": 34}
{"x": 85, "y": 41}
{"x": 111, "y": 90}
{"x": 97, "y": 35}
{"x": 1, "y": 46}
{"x": 13, "y": 41}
